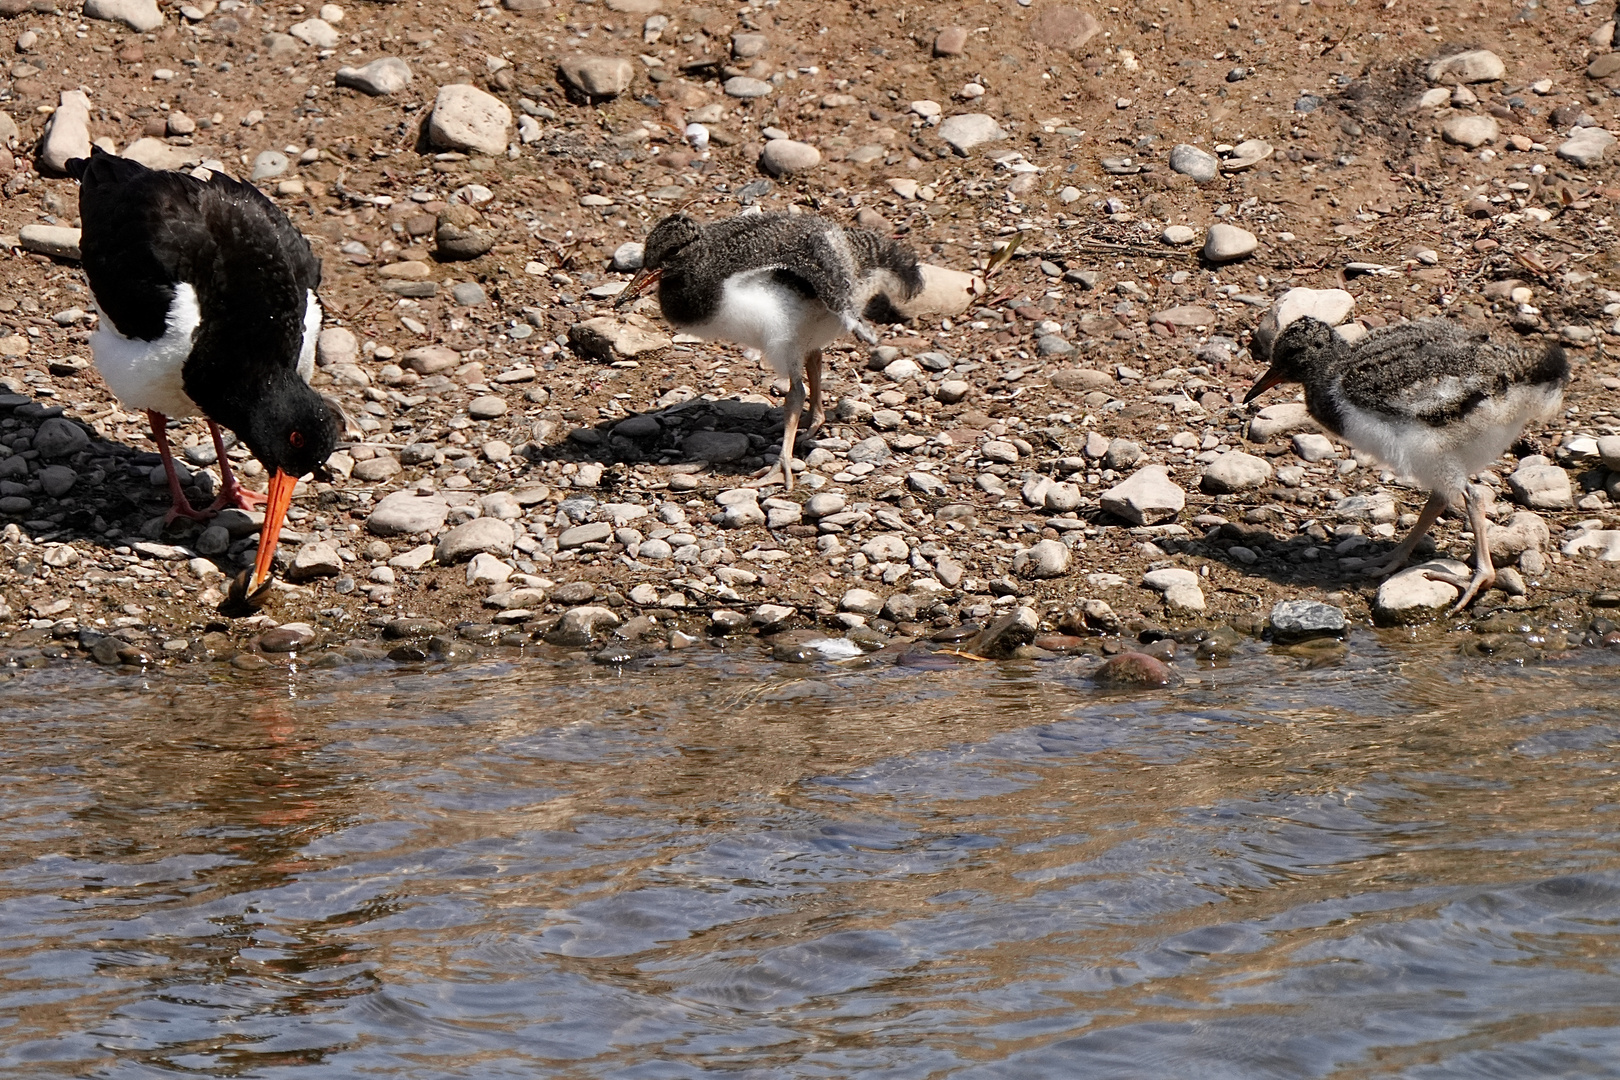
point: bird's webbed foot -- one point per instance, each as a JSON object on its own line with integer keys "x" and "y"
{"x": 1472, "y": 587}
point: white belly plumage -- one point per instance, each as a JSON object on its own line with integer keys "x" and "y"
{"x": 151, "y": 374}
{"x": 758, "y": 313}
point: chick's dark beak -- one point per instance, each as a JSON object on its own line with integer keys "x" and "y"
{"x": 1271, "y": 378}
{"x": 275, "y": 513}
{"x": 644, "y": 280}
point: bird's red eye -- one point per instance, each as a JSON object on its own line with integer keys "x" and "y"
{"x": 297, "y": 440}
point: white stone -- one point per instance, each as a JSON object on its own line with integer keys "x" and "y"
{"x": 336, "y": 345}
{"x": 405, "y": 512}
{"x": 1524, "y": 531}
{"x": 316, "y": 33}
{"x": 139, "y": 15}
{"x": 597, "y": 76}
{"x": 1311, "y": 446}
{"x": 1541, "y": 487}
{"x": 69, "y": 134}
{"x": 486, "y": 568}
{"x": 1226, "y": 243}
{"x": 1470, "y": 131}
{"x": 784, "y": 157}
{"x": 967, "y": 130}
{"x": 1235, "y": 471}
{"x": 1587, "y": 146}
{"x": 944, "y": 292}
{"x": 1200, "y": 165}
{"x": 1178, "y": 235}
{"x": 1167, "y": 577}
{"x": 1474, "y": 66}
{"x": 387, "y": 75}
{"x": 1184, "y": 597}
{"x": 466, "y": 118}
{"x": 741, "y": 86}
{"x": 861, "y": 602}
{"x": 1045, "y": 559}
{"x": 1331, "y": 306}
{"x": 1603, "y": 544}
{"x": 1412, "y": 596}
{"x": 1147, "y": 497}
{"x": 481, "y": 534}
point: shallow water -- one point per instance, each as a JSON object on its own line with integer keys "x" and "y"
{"x": 1404, "y": 865}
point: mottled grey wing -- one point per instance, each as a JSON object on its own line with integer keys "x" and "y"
{"x": 1433, "y": 379}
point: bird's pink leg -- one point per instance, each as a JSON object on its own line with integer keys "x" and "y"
{"x": 180, "y": 506}
{"x": 1475, "y": 498}
{"x": 812, "y": 376}
{"x": 232, "y": 495}
{"x": 1426, "y": 518}
{"x": 791, "y": 410}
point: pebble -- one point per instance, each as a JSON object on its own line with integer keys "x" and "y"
{"x": 68, "y": 135}
{"x": 1133, "y": 669}
{"x": 1178, "y": 235}
{"x": 1200, "y": 165}
{"x": 139, "y": 15}
{"x": 1313, "y": 447}
{"x": 627, "y": 257}
{"x": 59, "y": 437}
{"x": 1246, "y": 155}
{"x": 597, "y": 77}
{"x": 951, "y": 41}
{"x": 784, "y": 157}
{"x": 269, "y": 164}
{"x": 1235, "y": 471}
{"x": 1226, "y": 243}
{"x": 316, "y": 33}
{"x": 336, "y": 345}
{"x": 316, "y": 559}
{"x": 457, "y": 235}
{"x": 487, "y": 407}
{"x": 1147, "y": 497}
{"x": 965, "y": 131}
{"x": 607, "y": 338}
{"x": 286, "y": 638}
{"x": 1524, "y": 531}
{"x": 1473, "y": 66}
{"x": 1004, "y": 636}
{"x": 481, "y": 534}
{"x": 57, "y": 241}
{"x": 1411, "y": 597}
{"x": 1541, "y": 486}
{"x": 873, "y": 449}
{"x": 1471, "y": 131}
{"x": 469, "y": 294}
{"x": 57, "y": 480}
{"x": 387, "y": 75}
{"x": 1299, "y": 620}
{"x": 1279, "y": 419}
{"x": 741, "y": 86}
{"x": 1045, "y": 559}
{"x": 1587, "y": 146}
{"x": 405, "y": 513}
{"x": 580, "y": 625}
{"x": 466, "y": 118}
{"x": 1602, "y": 544}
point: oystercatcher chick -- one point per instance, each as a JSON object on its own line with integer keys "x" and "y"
{"x": 1431, "y": 400}
{"x": 784, "y": 284}
{"x": 206, "y": 295}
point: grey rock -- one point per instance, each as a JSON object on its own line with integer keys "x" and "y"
{"x": 1378, "y": 508}
{"x": 1061, "y": 498}
{"x": 1045, "y": 559}
{"x": 469, "y": 294}
{"x": 1184, "y": 598}
{"x": 214, "y": 540}
{"x": 579, "y": 625}
{"x": 1541, "y": 487}
{"x": 872, "y": 449}
{"x": 1586, "y": 147}
{"x": 458, "y": 234}
{"x": 640, "y": 426}
{"x": 316, "y": 33}
{"x": 1235, "y": 471}
{"x": 1524, "y": 531}
{"x": 388, "y": 75}
{"x": 466, "y": 118}
{"x": 592, "y": 532}
{"x": 742, "y": 514}
{"x": 476, "y": 536}
{"x": 405, "y": 513}
{"x": 377, "y": 469}
{"x": 57, "y": 480}
{"x": 861, "y": 602}
{"x": 607, "y": 338}
{"x": 1279, "y": 419}
{"x": 1147, "y": 497}
{"x": 747, "y": 46}
{"x": 316, "y": 559}
{"x": 1471, "y": 132}
{"x": 139, "y": 15}
{"x": 965, "y": 131}
{"x": 1608, "y": 448}
{"x": 1004, "y": 636}
{"x": 1122, "y": 454}
{"x": 627, "y": 257}
{"x": 59, "y": 437}
{"x": 716, "y": 446}
{"x": 336, "y": 345}
{"x": 1298, "y": 620}
{"x": 1167, "y": 577}
{"x": 1473, "y": 66}
{"x": 597, "y": 77}
{"x": 926, "y": 483}
{"x": 824, "y": 504}
{"x": 784, "y": 157}
{"x": 269, "y": 164}
{"x": 1227, "y": 243}
{"x": 952, "y": 391}
{"x": 1188, "y": 160}
{"x": 57, "y": 241}
{"x": 1310, "y": 446}
{"x": 741, "y": 86}
{"x": 1412, "y": 597}
{"x": 487, "y": 407}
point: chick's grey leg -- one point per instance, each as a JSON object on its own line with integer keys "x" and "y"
{"x": 1476, "y": 498}
{"x": 812, "y": 374}
{"x": 790, "y": 433}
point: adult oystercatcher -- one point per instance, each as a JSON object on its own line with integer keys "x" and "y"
{"x": 785, "y": 284}
{"x": 1429, "y": 399}
{"x": 206, "y": 294}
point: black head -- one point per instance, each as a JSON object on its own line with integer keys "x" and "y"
{"x": 667, "y": 240}
{"x": 290, "y": 428}
{"x": 1295, "y": 350}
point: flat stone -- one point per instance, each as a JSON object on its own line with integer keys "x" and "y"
{"x": 1412, "y": 597}
{"x": 1541, "y": 487}
{"x": 157, "y": 154}
{"x": 286, "y": 638}
{"x": 1379, "y": 508}
{"x": 784, "y": 157}
{"x": 466, "y": 118}
{"x": 1079, "y": 380}
{"x": 1235, "y": 471}
{"x": 1331, "y": 306}
{"x": 597, "y": 77}
{"x": 592, "y": 532}
{"x": 487, "y": 407}
{"x": 861, "y": 602}
{"x": 1188, "y": 598}
{"x": 57, "y": 241}
{"x": 1471, "y": 132}
{"x": 741, "y": 86}
{"x": 1177, "y": 235}
{"x": 383, "y": 76}
{"x": 1604, "y": 65}
{"x": 824, "y": 504}
{"x": 607, "y": 338}
{"x": 1473, "y": 66}
{"x": 1299, "y": 620}
{"x": 405, "y": 513}
{"x": 139, "y": 15}
{"x": 1279, "y": 419}
{"x": 951, "y": 41}
{"x": 68, "y": 135}
{"x": 1190, "y": 161}
{"x": 1063, "y": 28}
{"x": 1133, "y": 669}
{"x": 1246, "y": 155}
{"x": 1147, "y": 497}
{"x": 719, "y": 447}
{"x": 481, "y": 534}
{"x": 1601, "y": 544}
{"x": 873, "y": 449}
{"x": 1186, "y": 315}
{"x": 1167, "y": 577}
{"x": 746, "y": 46}
{"x": 269, "y": 164}
{"x": 1044, "y": 559}
{"x": 965, "y": 131}
{"x": 1588, "y": 145}
{"x": 1226, "y": 243}
{"x": 430, "y": 359}
{"x": 59, "y": 437}
{"x": 336, "y": 345}
{"x": 1312, "y": 446}
{"x": 316, "y": 33}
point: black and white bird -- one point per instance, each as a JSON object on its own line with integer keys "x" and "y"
{"x": 785, "y": 284}
{"x": 206, "y": 296}
{"x": 1430, "y": 399}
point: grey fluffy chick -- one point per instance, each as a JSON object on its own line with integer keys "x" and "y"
{"x": 785, "y": 284}
{"x": 1432, "y": 401}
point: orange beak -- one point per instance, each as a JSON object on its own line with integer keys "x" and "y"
{"x": 275, "y": 512}
{"x": 644, "y": 280}
{"x": 1271, "y": 378}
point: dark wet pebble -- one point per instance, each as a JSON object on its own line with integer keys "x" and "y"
{"x": 407, "y": 654}
{"x": 615, "y": 655}
{"x": 514, "y": 641}
{"x": 928, "y": 661}
{"x": 105, "y": 650}
{"x": 1606, "y": 598}
{"x": 1133, "y": 669}
{"x": 478, "y": 633}
{"x": 249, "y": 662}
{"x": 1220, "y": 644}
{"x": 1498, "y": 647}
{"x": 956, "y": 633}
{"x": 329, "y": 660}
{"x": 793, "y": 653}
{"x": 1163, "y": 649}
{"x": 281, "y": 639}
